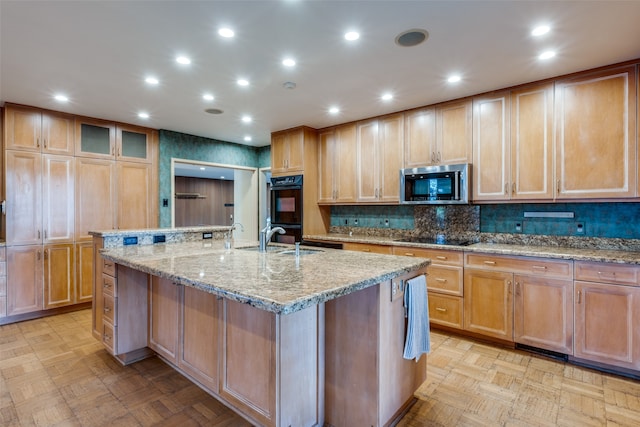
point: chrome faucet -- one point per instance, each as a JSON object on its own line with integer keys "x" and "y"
{"x": 229, "y": 236}
{"x": 266, "y": 234}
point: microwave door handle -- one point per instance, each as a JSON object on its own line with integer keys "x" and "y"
{"x": 456, "y": 186}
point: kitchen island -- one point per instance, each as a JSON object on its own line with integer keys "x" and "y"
{"x": 285, "y": 341}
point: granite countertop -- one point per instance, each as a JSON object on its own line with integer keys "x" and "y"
{"x": 558, "y": 252}
{"x": 270, "y": 281}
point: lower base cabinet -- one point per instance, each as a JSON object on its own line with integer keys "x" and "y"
{"x": 24, "y": 279}
{"x": 488, "y": 303}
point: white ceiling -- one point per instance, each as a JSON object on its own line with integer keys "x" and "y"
{"x": 99, "y": 52}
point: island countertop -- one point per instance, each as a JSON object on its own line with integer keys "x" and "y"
{"x": 272, "y": 281}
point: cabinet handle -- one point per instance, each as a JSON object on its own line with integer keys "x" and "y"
{"x": 441, "y": 280}
{"x": 439, "y": 157}
{"x": 513, "y": 188}
{"x": 45, "y": 234}
{"x": 579, "y": 297}
{"x": 106, "y": 310}
{"x": 38, "y": 142}
{"x": 113, "y": 150}
{"x": 46, "y": 254}
{"x": 518, "y": 288}
{"x": 611, "y": 274}
{"x": 107, "y": 338}
{"x": 433, "y": 157}
{"x": 490, "y": 262}
{"x": 441, "y": 257}
{"x": 38, "y": 255}
{"x": 38, "y": 234}
{"x": 45, "y": 143}
{"x": 440, "y": 309}
{"x": 506, "y": 188}
{"x": 366, "y": 250}
{"x": 409, "y": 254}
{"x": 106, "y": 285}
{"x": 539, "y": 267}
{"x": 558, "y": 187}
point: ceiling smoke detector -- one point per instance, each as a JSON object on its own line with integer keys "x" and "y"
{"x": 411, "y": 38}
{"x": 213, "y": 111}
{"x": 289, "y": 85}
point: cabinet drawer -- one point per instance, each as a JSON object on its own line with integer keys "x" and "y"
{"x": 108, "y": 267}
{"x": 108, "y": 285}
{"x": 437, "y": 256}
{"x": 560, "y": 269}
{"x": 445, "y": 279}
{"x": 109, "y": 309}
{"x": 109, "y": 337}
{"x": 607, "y": 272}
{"x": 445, "y": 310}
{"x": 363, "y": 247}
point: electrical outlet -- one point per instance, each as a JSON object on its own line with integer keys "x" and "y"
{"x": 518, "y": 227}
{"x": 580, "y": 228}
{"x": 355, "y": 221}
{"x": 386, "y": 222}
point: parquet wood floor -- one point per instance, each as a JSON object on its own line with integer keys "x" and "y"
{"x": 54, "y": 373}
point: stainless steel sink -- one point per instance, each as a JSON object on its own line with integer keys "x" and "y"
{"x": 270, "y": 248}
{"x": 302, "y": 252}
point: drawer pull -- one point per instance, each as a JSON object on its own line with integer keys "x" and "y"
{"x": 440, "y": 309}
{"x": 441, "y": 280}
{"x": 106, "y": 285}
{"x": 444, "y": 258}
{"x": 490, "y": 262}
{"x": 106, "y": 310}
{"x": 579, "y": 297}
{"x": 539, "y": 267}
{"x": 607, "y": 274}
{"x": 366, "y": 250}
{"x": 409, "y": 254}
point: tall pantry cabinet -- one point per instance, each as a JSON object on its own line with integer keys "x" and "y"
{"x": 53, "y": 199}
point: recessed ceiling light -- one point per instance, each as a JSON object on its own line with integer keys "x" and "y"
{"x": 351, "y": 36}
{"x": 288, "y": 62}
{"x": 61, "y": 98}
{"x": 152, "y": 80}
{"x": 454, "y": 78}
{"x": 334, "y": 110}
{"x": 207, "y": 97}
{"x": 540, "y": 30}
{"x": 243, "y": 82}
{"x": 548, "y": 54}
{"x": 143, "y": 115}
{"x": 202, "y": 168}
{"x": 412, "y": 37}
{"x": 246, "y": 119}
{"x": 247, "y": 138}
{"x": 183, "y": 60}
{"x": 226, "y": 32}
{"x": 387, "y": 97}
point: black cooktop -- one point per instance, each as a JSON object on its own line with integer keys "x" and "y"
{"x": 436, "y": 241}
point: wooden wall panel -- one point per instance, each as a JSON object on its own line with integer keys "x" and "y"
{"x": 209, "y": 210}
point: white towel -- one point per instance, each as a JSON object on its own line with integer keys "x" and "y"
{"x": 417, "y": 304}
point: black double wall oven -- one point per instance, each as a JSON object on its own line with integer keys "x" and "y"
{"x": 286, "y": 208}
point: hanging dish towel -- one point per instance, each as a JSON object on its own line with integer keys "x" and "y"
{"x": 417, "y": 305}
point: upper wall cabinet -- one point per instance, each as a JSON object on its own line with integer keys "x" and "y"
{"x": 595, "y": 135}
{"x": 106, "y": 140}
{"x": 287, "y": 151}
{"x": 513, "y": 145}
{"x": 337, "y": 165}
{"x": 379, "y": 159}
{"x": 30, "y": 129}
{"x": 438, "y": 135}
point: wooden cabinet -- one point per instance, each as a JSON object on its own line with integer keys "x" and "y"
{"x": 95, "y": 196}
{"x": 440, "y": 134}
{"x": 379, "y": 159}
{"x": 288, "y": 151}
{"x": 24, "y": 276}
{"x": 444, "y": 283}
{"x": 84, "y": 272}
{"x": 596, "y": 135}
{"x": 115, "y": 141}
{"x": 58, "y": 189}
{"x": 365, "y": 247}
{"x": 337, "y": 165}
{"x": 3, "y": 282}
{"x": 164, "y": 311}
{"x": 59, "y": 275}
{"x": 31, "y": 129}
{"x": 24, "y": 198}
{"x": 607, "y": 309}
{"x": 521, "y": 299}
{"x": 134, "y": 195}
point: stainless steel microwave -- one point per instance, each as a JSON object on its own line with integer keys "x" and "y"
{"x": 436, "y": 185}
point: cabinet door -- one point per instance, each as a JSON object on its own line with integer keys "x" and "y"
{"x": 368, "y": 173}
{"x": 595, "y": 135}
{"x": 390, "y": 139}
{"x": 22, "y": 127}
{"x": 200, "y": 329}
{"x": 279, "y": 153}
{"x": 420, "y": 138}
{"x": 24, "y": 197}
{"x": 345, "y": 164}
{"x": 24, "y": 279}
{"x": 488, "y": 303}
{"x": 532, "y": 142}
{"x": 326, "y": 166}
{"x": 84, "y": 272}
{"x": 295, "y": 157}
{"x": 134, "y": 144}
{"x": 59, "y": 275}
{"x": 544, "y": 313}
{"x": 453, "y": 132}
{"x": 95, "y": 138}
{"x": 607, "y": 319}
{"x": 164, "y": 297}
{"x": 58, "y": 134}
{"x": 491, "y": 148}
{"x": 95, "y": 196}
{"x": 134, "y": 195}
{"x": 58, "y": 198}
